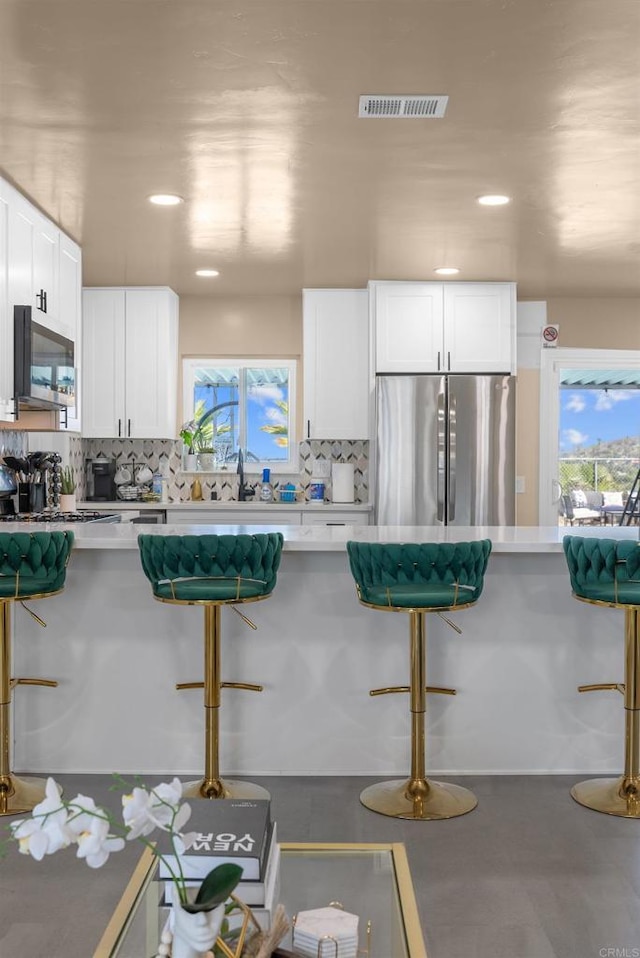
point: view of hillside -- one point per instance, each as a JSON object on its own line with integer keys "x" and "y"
{"x": 611, "y": 465}
{"x": 599, "y": 439}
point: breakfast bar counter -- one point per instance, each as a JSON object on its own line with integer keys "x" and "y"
{"x": 118, "y": 654}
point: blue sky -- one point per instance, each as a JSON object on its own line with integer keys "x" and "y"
{"x": 588, "y": 416}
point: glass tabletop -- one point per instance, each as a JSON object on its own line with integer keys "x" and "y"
{"x": 370, "y": 880}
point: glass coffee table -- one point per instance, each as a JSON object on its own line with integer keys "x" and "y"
{"x": 371, "y": 880}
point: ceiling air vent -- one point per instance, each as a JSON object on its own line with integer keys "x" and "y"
{"x": 402, "y": 107}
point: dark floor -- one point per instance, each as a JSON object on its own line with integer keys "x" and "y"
{"x": 528, "y": 874}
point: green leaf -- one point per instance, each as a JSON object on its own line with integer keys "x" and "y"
{"x": 216, "y": 888}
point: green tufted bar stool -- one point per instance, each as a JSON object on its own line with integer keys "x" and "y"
{"x": 32, "y": 566}
{"x": 213, "y": 571}
{"x": 418, "y": 578}
{"x": 606, "y": 572}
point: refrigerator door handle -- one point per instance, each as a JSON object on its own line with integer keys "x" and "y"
{"x": 441, "y": 457}
{"x": 452, "y": 459}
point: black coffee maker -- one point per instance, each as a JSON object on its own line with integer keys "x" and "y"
{"x": 101, "y": 486}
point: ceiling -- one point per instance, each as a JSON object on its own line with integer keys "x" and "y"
{"x": 249, "y": 110}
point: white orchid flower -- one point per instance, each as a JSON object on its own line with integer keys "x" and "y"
{"x": 47, "y": 830}
{"x": 183, "y": 842}
{"x": 145, "y": 810}
{"x": 83, "y": 810}
{"x": 38, "y": 839}
{"x": 95, "y": 845}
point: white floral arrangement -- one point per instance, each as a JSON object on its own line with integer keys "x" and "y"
{"x": 56, "y": 824}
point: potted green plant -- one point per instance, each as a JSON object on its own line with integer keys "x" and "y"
{"x": 67, "y": 490}
{"x": 188, "y": 435}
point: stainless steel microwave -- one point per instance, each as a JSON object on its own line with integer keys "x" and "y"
{"x": 44, "y": 368}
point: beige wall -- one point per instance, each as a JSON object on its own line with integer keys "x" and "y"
{"x": 527, "y": 445}
{"x": 596, "y": 323}
{"x": 584, "y": 323}
{"x": 242, "y": 327}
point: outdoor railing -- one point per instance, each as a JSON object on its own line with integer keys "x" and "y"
{"x": 598, "y": 474}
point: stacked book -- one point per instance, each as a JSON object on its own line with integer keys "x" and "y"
{"x": 239, "y": 831}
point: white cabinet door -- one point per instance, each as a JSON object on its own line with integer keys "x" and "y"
{"x": 69, "y": 324}
{"x": 20, "y": 250}
{"x": 130, "y": 363}
{"x": 103, "y": 359}
{"x": 6, "y": 323}
{"x": 336, "y": 363}
{"x": 479, "y": 333}
{"x": 19, "y": 280}
{"x": 46, "y": 239}
{"x": 335, "y": 519}
{"x": 239, "y": 516}
{"x": 408, "y": 322}
{"x": 151, "y": 380}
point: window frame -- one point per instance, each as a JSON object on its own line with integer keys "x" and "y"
{"x": 287, "y": 466}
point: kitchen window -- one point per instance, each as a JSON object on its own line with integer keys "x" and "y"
{"x": 242, "y": 404}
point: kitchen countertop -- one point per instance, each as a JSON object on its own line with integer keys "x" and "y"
{"x": 505, "y": 539}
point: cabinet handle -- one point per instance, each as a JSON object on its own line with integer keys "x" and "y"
{"x": 64, "y": 422}
{"x": 449, "y": 361}
{"x": 128, "y": 428}
{"x": 308, "y": 429}
{"x": 119, "y": 428}
{"x": 41, "y": 300}
{"x": 438, "y": 360}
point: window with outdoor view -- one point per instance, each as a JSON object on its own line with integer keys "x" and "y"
{"x": 241, "y": 404}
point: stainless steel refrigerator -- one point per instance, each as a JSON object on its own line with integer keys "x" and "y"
{"x": 445, "y": 450}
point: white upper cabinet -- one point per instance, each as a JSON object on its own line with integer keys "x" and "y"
{"x": 408, "y": 327}
{"x": 40, "y": 267}
{"x": 444, "y": 327}
{"x": 46, "y": 273}
{"x": 34, "y": 243}
{"x": 336, "y": 363}
{"x": 479, "y": 327}
{"x": 130, "y": 363}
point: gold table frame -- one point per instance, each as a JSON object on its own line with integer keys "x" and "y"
{"x": 145, "y": 870}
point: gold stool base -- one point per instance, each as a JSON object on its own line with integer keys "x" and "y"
{"x": 439, "y": 801}
{"x": 22, "y": 795}
{"x": 604, "y": 795}
{"x": 224, "y": 788}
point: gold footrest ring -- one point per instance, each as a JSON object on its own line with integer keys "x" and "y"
{"x": 435, "y": 802}
{"x": 607, "y": 795}
{"x": 19, "y": 795}
{"x": 224, "y": 788}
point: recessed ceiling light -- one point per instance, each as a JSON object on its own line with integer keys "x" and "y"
{"x": 165, "y": 199}
{"x": 447, "y": 270}
{"x": 207, "y": 272}
{"x": 494, "y": 199}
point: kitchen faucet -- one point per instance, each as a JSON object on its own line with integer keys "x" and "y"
{"x": 244, "y": 492}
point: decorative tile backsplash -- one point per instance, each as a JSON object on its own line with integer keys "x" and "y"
{"x": 13, "y": 442}
{"x": 164, "y": 456}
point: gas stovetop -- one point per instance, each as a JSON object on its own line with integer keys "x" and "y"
{"x": 84, "y": 516}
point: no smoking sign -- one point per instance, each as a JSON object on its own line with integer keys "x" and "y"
{"x": 550, "y": 336}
